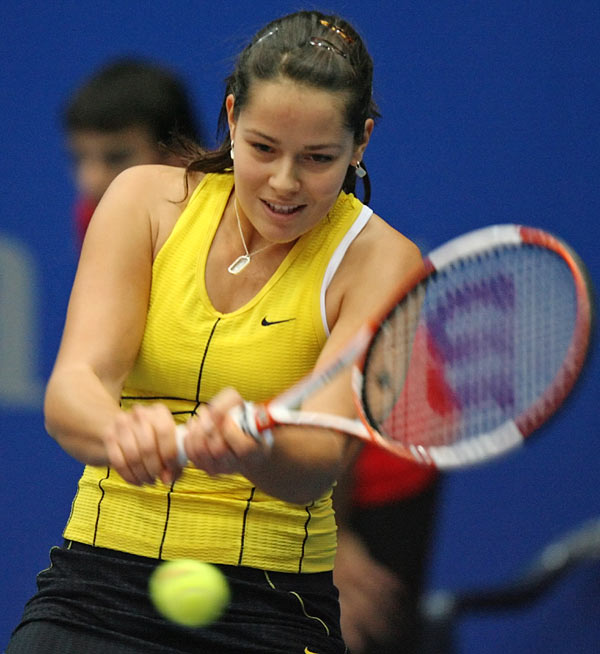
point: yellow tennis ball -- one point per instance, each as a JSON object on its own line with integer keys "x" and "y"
{"x": 191, "y": 593}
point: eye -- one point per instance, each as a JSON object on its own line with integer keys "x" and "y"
{"x": 262, "y": 147}
{"x": 319, "y": 158}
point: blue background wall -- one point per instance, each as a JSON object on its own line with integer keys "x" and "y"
{"x": 490, "y": 114}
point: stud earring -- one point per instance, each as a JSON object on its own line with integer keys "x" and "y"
{"x": 360, "y": 171}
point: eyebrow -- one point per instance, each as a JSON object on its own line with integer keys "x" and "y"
{"x": 317, "y": 146}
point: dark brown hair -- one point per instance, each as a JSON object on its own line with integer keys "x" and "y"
{"x": 308, "y": 47}
{"x": 131, "y": 93}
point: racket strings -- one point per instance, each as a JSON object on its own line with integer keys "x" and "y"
{"x": 472, "y": 348}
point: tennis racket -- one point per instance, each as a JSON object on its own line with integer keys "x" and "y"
{"x": 478, "y": 352}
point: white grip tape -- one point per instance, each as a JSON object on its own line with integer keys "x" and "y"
{"x": 180, "y": 434}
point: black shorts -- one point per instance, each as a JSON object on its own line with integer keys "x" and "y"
{"x": 95, "y": 601}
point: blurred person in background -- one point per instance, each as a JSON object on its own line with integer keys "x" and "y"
{"x": 125, "y": 114}
{"x": 386, "y": 509}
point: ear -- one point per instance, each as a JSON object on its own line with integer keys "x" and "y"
{"x": 229, "y": 106}
{"x": 360, "y": 150}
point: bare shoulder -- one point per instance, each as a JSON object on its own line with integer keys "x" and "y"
{"x": 151, "y": 196}
{"x": 382, "y": 254}
{"x": 380, "y": 238}
{"x": 378, "y": 264}
{"x": 153, "y": 183}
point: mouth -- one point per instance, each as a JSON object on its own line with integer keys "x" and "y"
{"x": 283, "y": 209}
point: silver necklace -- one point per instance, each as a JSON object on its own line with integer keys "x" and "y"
{"x": 236, "y": 267}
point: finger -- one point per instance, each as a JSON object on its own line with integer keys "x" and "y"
{"x": 117, "y": 461}
{"x": 166, "y": 444}
{"x": 242, "y": 444}
{"x": 239, "y": 442}
{"x": 218, "y": 445}
{"x": 221, "y": 404}
{"x": 197, "y": 442}
{"x": 123, "y": 452}
{"x": 150, "y": 462}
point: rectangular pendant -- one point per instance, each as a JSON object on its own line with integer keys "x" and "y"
{"x": 239, "y": 264}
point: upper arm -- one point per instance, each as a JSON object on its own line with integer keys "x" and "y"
{"x": 375, "y": 268}
{"x": 109, "y": 299}
{"x": 378, "y": 264}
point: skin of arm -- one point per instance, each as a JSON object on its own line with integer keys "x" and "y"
{"x": 103, "y": 331}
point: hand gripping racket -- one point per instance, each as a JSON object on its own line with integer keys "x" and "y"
{"x": 480, "y": 351}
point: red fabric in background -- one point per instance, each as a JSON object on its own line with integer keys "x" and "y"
{"x": 84, "y": 209}
{"x": 381, "y": 477}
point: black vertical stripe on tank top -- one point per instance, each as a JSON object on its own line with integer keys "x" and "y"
{"x": 308, "y": 518}
{"x": 199, "y": 382}
{"x": 167, "y": 514}
{"x": 98, "y": 508}
{"x": 244, "y": 520}
{"x": 198, "y": 386}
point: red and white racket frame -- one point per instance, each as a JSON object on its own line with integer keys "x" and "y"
{"x": 511, "y": 433}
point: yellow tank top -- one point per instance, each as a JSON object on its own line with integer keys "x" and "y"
{"x": 189, "y": 352}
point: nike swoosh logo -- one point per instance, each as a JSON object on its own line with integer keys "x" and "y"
{"x": 267, "y": 323}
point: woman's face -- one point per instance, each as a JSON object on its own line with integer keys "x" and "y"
{"x": 292, "y": 151}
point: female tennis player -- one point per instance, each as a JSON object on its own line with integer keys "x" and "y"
{"x": 197, "y": 288}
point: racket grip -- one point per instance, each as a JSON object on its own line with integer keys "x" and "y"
{"x": 180, "y": 434}
{"x": 246, "y": 416}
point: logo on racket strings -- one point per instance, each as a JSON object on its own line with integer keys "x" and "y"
{"x": 472, "y": 329}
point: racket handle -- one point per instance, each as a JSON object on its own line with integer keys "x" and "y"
{"x": 246, "y": 418}
{"x": 180, "y": 434}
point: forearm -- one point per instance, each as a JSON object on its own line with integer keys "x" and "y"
{"x": 303, "y": 464}
{"x": 78, "y": 409}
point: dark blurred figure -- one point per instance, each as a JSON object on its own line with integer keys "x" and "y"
{"x": 386, "y": 509}
{"x": 125, "y": 114}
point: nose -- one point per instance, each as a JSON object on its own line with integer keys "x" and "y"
{"x": 284, "y": 176}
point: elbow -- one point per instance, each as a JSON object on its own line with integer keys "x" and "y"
{"x": 308, "y": 495}
{"x": 49, "y": 429}
{"x": 50, "y": 419}
{"x": 74, "y": 441}
{"x": 53, "y": 420}
{"x": 297, "y": 486}
{"x": 311, "y": 486}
